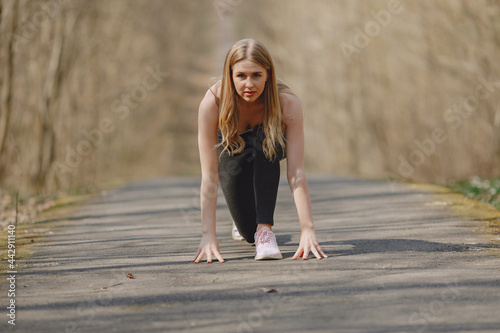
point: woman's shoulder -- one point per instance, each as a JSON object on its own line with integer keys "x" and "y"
{"x": 290, "y": 103}
{"x": 215, "y": 90}
{"x": 212, "y": 96}
{"x": 209, "y": 106}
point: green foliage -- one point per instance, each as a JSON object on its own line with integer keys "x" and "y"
{"x": 486, "y": 190}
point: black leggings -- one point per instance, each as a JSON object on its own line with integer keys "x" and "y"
{"x": 250, "y": 182}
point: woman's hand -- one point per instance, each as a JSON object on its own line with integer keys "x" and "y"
{"x": 209, "y": 245}
{"x": 308, "y": 243}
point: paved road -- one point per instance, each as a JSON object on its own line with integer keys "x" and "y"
{"x": 397, "y": 263}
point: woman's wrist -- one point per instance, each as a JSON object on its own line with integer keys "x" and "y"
{"x": 307, "y": 226}
{"x": 209, "y": 231}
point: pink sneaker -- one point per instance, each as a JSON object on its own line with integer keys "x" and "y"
{"x": 265, "y": 245}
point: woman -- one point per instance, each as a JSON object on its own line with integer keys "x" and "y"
{"x": 242, "y": 125}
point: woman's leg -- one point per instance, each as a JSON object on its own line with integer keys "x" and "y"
{"x": 266, "y": 177}
{"x": 266, "y": 180}
{"x": 236, "y": 181}
{"x": 250, "y": 182}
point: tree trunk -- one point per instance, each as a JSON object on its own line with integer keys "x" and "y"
{"x": 6, "y": 96}
{"x": 49, "y": 94}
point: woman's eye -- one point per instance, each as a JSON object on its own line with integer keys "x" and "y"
{"x": 256, "y": 75}
{"x": 241, "y": 75}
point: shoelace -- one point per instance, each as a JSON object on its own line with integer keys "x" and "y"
{"x": 264, "y": 236}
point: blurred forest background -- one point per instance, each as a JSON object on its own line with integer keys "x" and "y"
{"x": 405, "y": 90}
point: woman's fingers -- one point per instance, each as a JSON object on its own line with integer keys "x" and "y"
{"x": 196, "y": 256}
{"x": 218, "y": 256}
{"x": 314, "y": 248}
{"x": 208, "y": 253}
{"x": 306, "y": 253}
{"x": 215, "y": 252}
{"x": 298, "y": 253}
{"x": 316, "y": 252}
{"x": 319, "y": 253}
{"x": 200, "y": 257}
{"x": 209, "y": 246}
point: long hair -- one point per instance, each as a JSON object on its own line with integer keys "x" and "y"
{"x": 273, "y": 125}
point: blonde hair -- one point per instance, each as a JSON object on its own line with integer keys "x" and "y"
{"x": 274, "y": 124}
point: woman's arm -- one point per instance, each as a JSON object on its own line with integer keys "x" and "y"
{"x": 292, "y": 111}
{"x": 207, "y": 139}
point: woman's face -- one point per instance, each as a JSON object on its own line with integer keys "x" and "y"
{"x": 249, "y": 79}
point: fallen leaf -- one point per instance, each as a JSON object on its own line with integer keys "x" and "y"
{"x": 268, "y": 290}
{"x": 130, "y": 276}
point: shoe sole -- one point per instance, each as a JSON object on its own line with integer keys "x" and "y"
{"x": 275, "y": 257}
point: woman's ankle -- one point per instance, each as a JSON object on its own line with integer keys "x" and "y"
{"x": 262, "y": 225}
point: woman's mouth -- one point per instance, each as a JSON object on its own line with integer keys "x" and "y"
{"x": 249, "y": 93}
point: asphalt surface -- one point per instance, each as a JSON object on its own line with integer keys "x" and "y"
{"x": 398, "y": 262}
